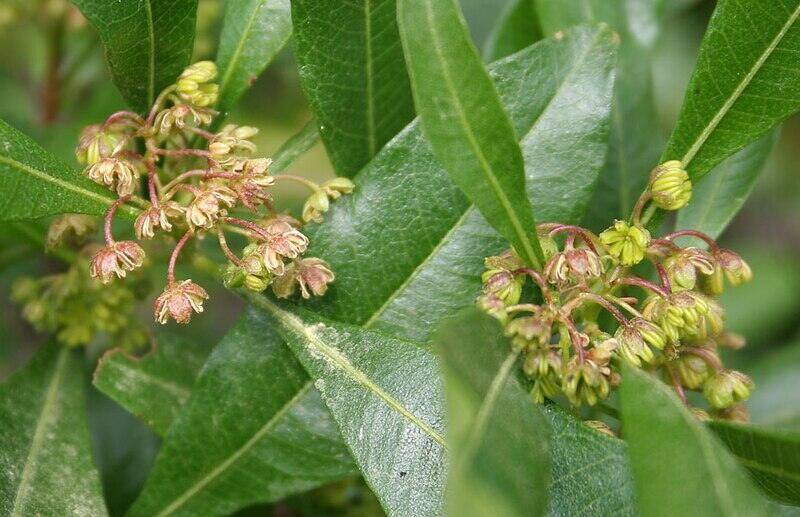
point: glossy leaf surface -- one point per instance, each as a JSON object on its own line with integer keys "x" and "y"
{"x": 499, "y": 440}
{"x": 679, "y": 466}
{"x": 517, "y": 28}
{"x": 46, "y": 462}
{"x": 464, "y": 121}
{"x": 746, "y": 81}
{"x": 147, "y": 43}
{"x": 352, "y": 69}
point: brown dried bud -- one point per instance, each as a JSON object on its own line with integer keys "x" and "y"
{"x": 178, "y": 301}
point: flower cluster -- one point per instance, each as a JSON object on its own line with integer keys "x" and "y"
{"x": 582, "y": 319}
{"x": 193, "y": 190}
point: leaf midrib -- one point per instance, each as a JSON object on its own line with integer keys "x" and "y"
{"x": 42, "y": 423}
{"x": 179, "y": 391}
{"x": 370, "y": 114}
{"x": 754, "y": 464}
{"x": 485, "y": 166}
{"x": 151, "y": 79}
{"x": 237, "y": 53}
{"x": 737, "y": 92}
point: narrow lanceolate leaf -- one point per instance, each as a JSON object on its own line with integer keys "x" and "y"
{"x": 747, "y": 80}
{"x": 636, "y": 140}
{"x": 36, "y": 184}
{"x": 45, "y": 457}
{"x": 297, "y": 145}
{"x": 385, "y": 394}
{"x": 724, "y": 191}
{"x": 518, "y": 27}
{"x": 253, "y": 32}
{"x": 278, "y": 438}
{"x": 499, "y": 440}
{"x": 351, "y": 66}
{"x": 147, "y": 43}
{"x": 771, "y": 456}
{"x": 679, "y": 466}
{"x": 464, "y": 121}
{"x": 564, "y": 144}
{"x": 153, "y": 387}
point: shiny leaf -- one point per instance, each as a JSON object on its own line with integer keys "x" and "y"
{"x": 679, "y": 467}
{"x": 517, "y": 28}
{"x": 147, "y": 43}
{"x": 351, "y": 66}
{"x": 46, "y": 461}
{"x": 771, "y": 456}
{"x": 499, "y": 465}
{"x": 278, "y": 438}
{"x": 746, "y": 81}
{"x": 253, "y": 32}
{"x": 464, "y": 121}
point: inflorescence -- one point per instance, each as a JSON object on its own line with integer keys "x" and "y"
{"x": 193, "y": 191}
{"x": 581, "y": 320}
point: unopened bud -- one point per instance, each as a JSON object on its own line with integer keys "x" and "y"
{"x": 316, "y": 205}
{"x": 626, "y": 243}
{"x": 727, "y": 387}
{"x": 337, "y": 186}
{"x": 670, "y": 186}
{"x": 256, "y": 283}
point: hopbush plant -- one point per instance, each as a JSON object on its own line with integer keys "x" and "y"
{"x": 589, "y": 376}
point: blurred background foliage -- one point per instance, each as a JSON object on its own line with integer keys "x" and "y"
{"x": 53, "y": 82}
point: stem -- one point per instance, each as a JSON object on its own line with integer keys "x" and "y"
{"x": 151, "y": 181}
{"x": 184, "y": 175}
{"x": 574, "y": 338}
{"x": 122, "y": 115}
{"x": 223, "y": 244}
{"x": 247, "y": 224}
{"x": 599, "y": 300}
{"x": 586, "y": 236}
{"x": 624, "y": 304}
{"x": 644, "y": 284}
{"x": 174, "y": 258}
{"x": 662, "y": 274}
{"x": 648, "y": 214}
{"x": 157, "y": 104}
{"x": 109, "y": 218}
{"x": 676, "y": 383}
{"x": 208, "y": 135}
{"x": 183, "y": 152}
{"x": 537, "y": 277}
{"x": 637, "y": 208}
{"x": 298, "y": 179}
{"x": 706, "y": 355}
{"x": 693, "y": 233}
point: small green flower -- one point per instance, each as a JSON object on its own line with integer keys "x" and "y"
{"x": 626, "y": 243}
{"x": 727, "y": 387}
{"x": 692, "y": 370}
{"x": 670, "y": 186}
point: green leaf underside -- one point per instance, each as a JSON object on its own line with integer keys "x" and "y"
{"x": 517, "y": 28}
{"x": 636, "y": 140}
{"x": 771, "y": 456}
{"x": 463, "y": 119}
{"x": 278, "y": 438}
{"x": 253, "y": 32}
{"x": 153, "y": 387}
{"x": 147, "y": 43}
{"x": 36, "y": 184}
{"x": 776, "y": 402}
{"x": 499, "y": 440}
{"x": 724, "y": 191}
{"x": 46, "y": 461}
{"x": 352, "y": 70}
{"x": 449, "y": 249}
{"x": 386, "y": 397}
{"x": 746, "y": 81}
{"x": 679, "y": 467}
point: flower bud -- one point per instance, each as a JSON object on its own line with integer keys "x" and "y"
{"x": 178, "y": 301}
{"x": 256, "y": 283}
{"x": 626, "y": 243}
{"x": 692, "y": 370}
{"x": 193, "y": 84}
{"x": 95, "y": 144}
{"x": 336, "y": 187}
{"x": 545, "y": 387}
{"x": 316, "y": 205}
{"x": 585, "y": 381}
{"x": 233, "y": 276}
{"x": 69, "y": 228}
{"x": 231, "y": 141}
{"x": 530, "y": 331}
{"x": 493, "y": 306}
{"x": 736, "y": 270}
{"x": 714, "y": 283}
{"x": 632, "y": 346}
{"x": 670, "y": 186}
{"x": 726, "y": 387}
{"x": 116, "y": 174}
{"x": 542, "y": 362}
{"x": 503, "y": 285}
{"x": 573, "y": 265}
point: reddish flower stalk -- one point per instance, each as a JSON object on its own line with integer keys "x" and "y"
{"x": 662, "y": 274}
{"x": 122, "y": 115}
{"x": 110, "y": 217}
{"x": 537, "y": 277}
{"x": 586, "y": 236}
{"x": 261, "y": 232}
{"x": 184, "y": 152}
{"x": 639, "y": 206}
{"x": 574, "y": 337}
{"x": 644, "y": 284}
{"x": 706, "y": 355}
{"x": 174, "y": 258}
{"x": 208, "y": 135}
{"x": 676, "y": 383}
{"x": 151, "y": 182}
{"x": 223, "y": 244}
{"x": 693, "y": 233}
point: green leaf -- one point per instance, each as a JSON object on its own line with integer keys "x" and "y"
{"x": 352, "y": 70}
{"x": 253, "y": 431}
{"x": 776, "y": 399}
{"x": 746, "y": 81}
{"x": 147, "y": 43}
{"x": 405, "y": 200}
{"x": 36, "y": 184}
{"x": 517, "y": 28}
{"x": 385, "y": 394}
{"x": 679, "y": 467}
{"x": 636, "y": 140}
{"x": 499, "y": 440}
{"x": 771, "y": 456}
{"x": 156, "y": 386}
{"x": 722, "y": 194}
{"x": 464, "y": 121}
{"x": 46, "y": 464}
{"x": 253, "y": 32}
{"x": 293, "y": 148}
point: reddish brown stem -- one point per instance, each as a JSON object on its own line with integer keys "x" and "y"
{"x": 676, "y": 383}
{"x": 223, "y": 244}
{"x": 662, "y": 274}
{"x": 261, "y": 232}
{"x": 693, "y": 233}
{"x": 174, "y": 258}
{"x": 574, "y": 337}
{"x": 151, "y": 181}
{"x": 537, "y": 277}
{"x": 110, "y": 217}
{"x": 585, "y": 235}
{"x": 706, "y": 355}
{"x": 639, "y": 206}
{"x": 644, "y": 284}
{"x": 208, "y": 135}
{"x": 122, "y": 115}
